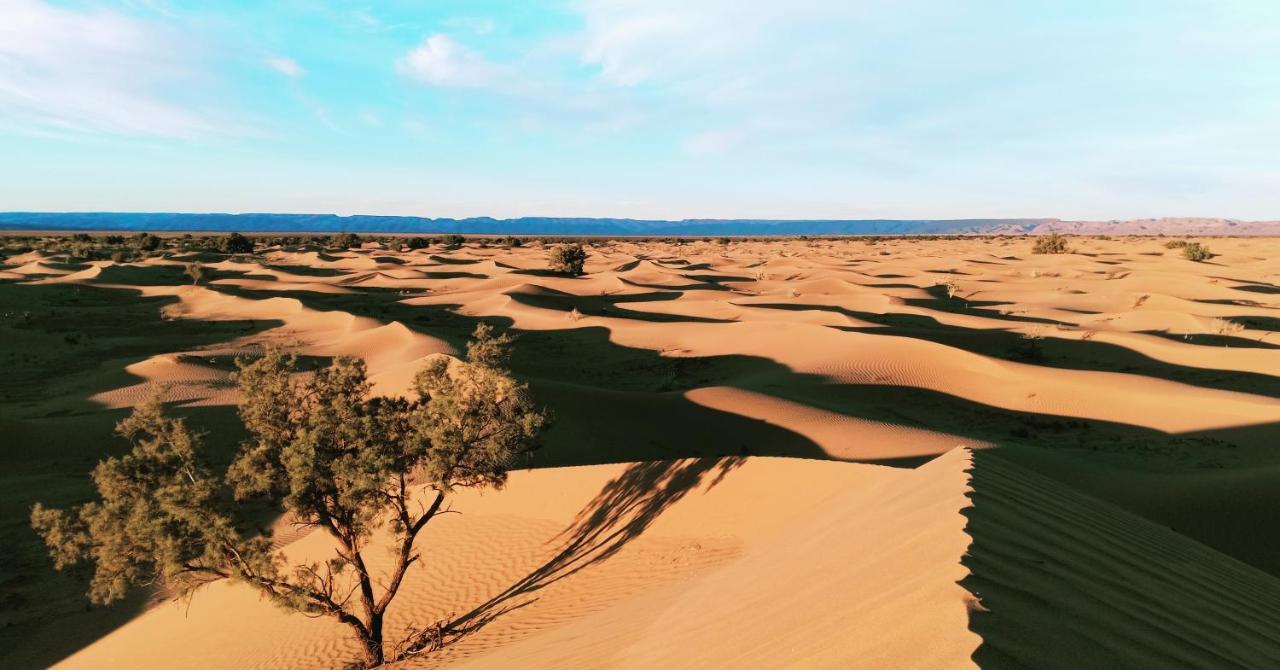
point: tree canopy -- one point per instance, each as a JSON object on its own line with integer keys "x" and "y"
{"x": 331, "y": 455}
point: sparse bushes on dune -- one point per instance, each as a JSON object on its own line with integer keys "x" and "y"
{"x": 568, "y": 259}
{"x": 345, "y": 241}
{"x": 417, "y": 243}
{"x": 331, "y": 456}
{"x": 1051, "y": 244}
{"x": 453, "y": 241}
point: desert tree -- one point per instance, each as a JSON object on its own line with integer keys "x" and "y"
{"x": 235, "y": 243}
{"x": 334, "y": 458}
{"x": 145, "y": 242}
{"x": 345, "y": 240}
{"x": 194, "y": 270}
{"x": 568, "y": 259}
{"x": 158, "y": 517}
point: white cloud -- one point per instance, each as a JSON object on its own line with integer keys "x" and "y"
{"x": 66, "y": 70}
{"x": 440, "y": 61}
{"x": 286, "y": 66}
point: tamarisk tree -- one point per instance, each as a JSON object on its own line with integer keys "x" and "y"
{"x": 333, "y": 456}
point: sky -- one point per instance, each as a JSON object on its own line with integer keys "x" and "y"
{"x": 844, "y": 109}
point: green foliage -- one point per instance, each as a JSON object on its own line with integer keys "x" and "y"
{"x": 157, "y": 518}
{"x": 418, "y": 243}
{"x": 453, "y": 241}
{"x": 487, "y": 349}
{"x": 1194, "y": 251}
{"x": 331, "y": 455}
{"x": 145, "y": 242}
{"x": 235, "y": 243}
{"x": 568, "y": 258}
{"x": 1051, "y": 244}
{"x": 345, "y": 240}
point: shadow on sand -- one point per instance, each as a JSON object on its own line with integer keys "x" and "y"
{"x": 620, "y": 513}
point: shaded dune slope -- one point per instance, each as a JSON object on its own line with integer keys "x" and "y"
{"x": 1068, "y": 581}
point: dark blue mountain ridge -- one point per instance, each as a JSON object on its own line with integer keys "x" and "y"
{"x": 483, "y": 225}
{"x": 329, "y": 223}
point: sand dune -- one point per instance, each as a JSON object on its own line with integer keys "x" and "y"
{"x": 585, "y": 588}
{"x": 792, "y": 453}
{"x": 1066, "y": 581}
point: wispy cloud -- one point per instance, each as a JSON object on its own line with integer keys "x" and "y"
{"x": 441, "y": 61}
{"x": 93, "y": 70}
{"x": 286, "y": 66}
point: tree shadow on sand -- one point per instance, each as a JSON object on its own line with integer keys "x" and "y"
{"x": 621, "y": 512}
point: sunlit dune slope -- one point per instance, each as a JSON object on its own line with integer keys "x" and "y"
{"x": 696, "y": 563}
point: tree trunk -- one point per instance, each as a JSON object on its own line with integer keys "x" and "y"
{"x": 373, "y": 655}
{"x": 372, "y": 650}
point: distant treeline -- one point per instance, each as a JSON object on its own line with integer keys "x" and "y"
{"x": 332, "y": 223}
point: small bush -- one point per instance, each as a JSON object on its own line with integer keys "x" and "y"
{"x": 345, "y": 240}
{"x": 1194, "y": 251}
{"x": 417, "y": 243}
{"x": 453, "y": 241}
{"x": 235, "y": 243}
{"x": 145, "y": 242}
{"x": 1175, "y": 244}
{"x": 568, "y": 258}
{"x": 195, "y": 271}
{"x": 1051, "y": 244}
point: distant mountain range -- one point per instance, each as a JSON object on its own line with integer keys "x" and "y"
{"x": 325, "y": 223}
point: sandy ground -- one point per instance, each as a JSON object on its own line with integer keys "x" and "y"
{"x": 905, "y": 453}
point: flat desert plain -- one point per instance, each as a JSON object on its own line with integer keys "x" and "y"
{"x": 897, "y": 453}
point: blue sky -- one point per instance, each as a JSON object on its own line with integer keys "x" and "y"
{"x": 644, "y": 108}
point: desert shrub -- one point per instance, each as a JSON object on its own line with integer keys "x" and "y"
{"x": 81, "y": 249}
{"x": 235, "y": 243}
{"x": 1194, "y": 251}
{"x": 417, "y": 243}
{"x": 1050, "y": 244}
{"x": 345, "y": 240}
{"x": 1175, "y": 244}
{"x": 195, "y": 271}
{"x": 145, "y": 242}
{"x": 568, "y": 259}
{"x": 512, "y": 241}
{"x": 113, "y": 239}
{"x": 1227, "y": 327}
{"x": 330, "y": 455}
{"x": 453, "y": 241}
